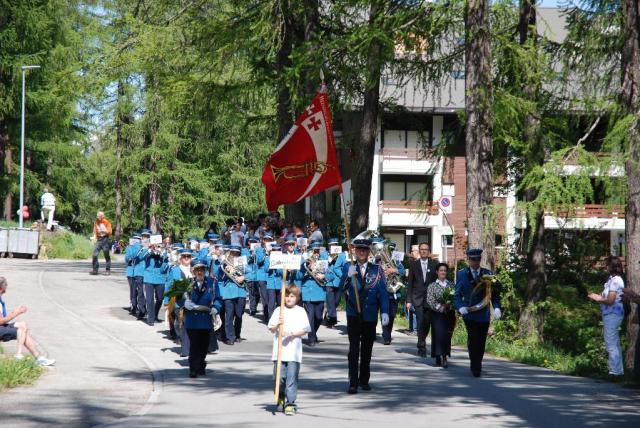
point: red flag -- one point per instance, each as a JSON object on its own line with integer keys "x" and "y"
{"x": 305, "y": 162}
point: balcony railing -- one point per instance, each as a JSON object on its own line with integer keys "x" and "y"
{"x": 400, "y": 153}
{"x": 408, "y": 207}
{"x": 589, "y": 211}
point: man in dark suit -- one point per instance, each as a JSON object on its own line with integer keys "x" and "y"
{"x": 422, "y": 272}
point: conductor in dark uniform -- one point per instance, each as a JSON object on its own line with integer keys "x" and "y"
{"x": 422, "y": 272}
{"x": 362, "y": 315}
{"x": 474, "y": 298}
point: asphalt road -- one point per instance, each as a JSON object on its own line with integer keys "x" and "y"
{"x": 115, "y": 371}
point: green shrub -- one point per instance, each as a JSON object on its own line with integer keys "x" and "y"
{"x": 18, "y": 372}
{"x": 67, "y": 245}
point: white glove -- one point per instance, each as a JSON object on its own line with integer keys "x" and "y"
{"x": 497, "y": 313}
{"x": 213, "y": 312}
{"x": 385, "y": 319}
{"x": 463, "y": 310}
{"x": 189, "y": 305}
{"x": 352, "y": 270}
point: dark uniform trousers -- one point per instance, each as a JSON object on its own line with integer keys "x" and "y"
{"x": 476, "y": 340}
{"x": 393, "y": 310}
{"x": 233, "y": 310}
{"x": 153, "y": 308}
{"x": 141, "y": 303}
{"x": 314, "y": 313}
{"x": 362, "y": 334}
{"x": 273, "y": 301}
{"x": 254, "y": 296}
{"x": 264, "y": 298}
{"x": 423, "y": 319}
{"x": 133, "y": 294}
{"x": 333, "y": 300}
{"x": 198, "y": 346}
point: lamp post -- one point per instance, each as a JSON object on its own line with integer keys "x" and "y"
{"x": 24, "y": 70}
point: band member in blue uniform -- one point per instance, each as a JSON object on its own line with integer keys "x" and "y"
{"x": 200, "y": 306}
{"x": 394, "y": 296}
{"x": 262, "y": 269}
{"x": 129, "y": 258}
{"x": 139, "y": 266}
{"x": 473, "y": 298}
{"x": 181, "y": 271}
{"x": 253, "y": 291}
{"x": 313, "y": 290}
{"x": 232, "y": 286}
{"x": 334, "y": 292}
{"x": 274, "y": 283}
{"x": 361, "y": 325}
{"x": 155, "y": 277}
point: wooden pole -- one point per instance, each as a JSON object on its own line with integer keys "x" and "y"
{"x": 280, "y": 331}
{"x": 346, "y": 230}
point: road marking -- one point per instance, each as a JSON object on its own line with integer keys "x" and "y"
{"x": 157, "y": 378}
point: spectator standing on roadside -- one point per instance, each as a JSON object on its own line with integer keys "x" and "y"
{"x": 102, "y": 233}
{"x": 47, "y": 207}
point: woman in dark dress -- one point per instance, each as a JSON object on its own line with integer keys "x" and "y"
{"x": 440, "y": 315}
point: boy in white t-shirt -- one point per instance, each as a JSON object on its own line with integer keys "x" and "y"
{"x": 295, "y": 326}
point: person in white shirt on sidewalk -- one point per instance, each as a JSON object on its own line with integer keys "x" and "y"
{"x": 295, "y": 326}
{"x": 47, "y": 207}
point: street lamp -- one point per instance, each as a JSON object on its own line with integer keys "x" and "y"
{"x": 24, "y": 69}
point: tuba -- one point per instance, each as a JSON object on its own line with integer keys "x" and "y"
{"x": 231, "y": 271}
{"x": 311, "y": 266}
{"x": 392, "y": 281}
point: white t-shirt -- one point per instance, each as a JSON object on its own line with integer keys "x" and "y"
{"x": 237, "y": 238}
{"x": 614, "y": 284}
{"x": 47, "y": 200}
{"x": 295, "y": 319}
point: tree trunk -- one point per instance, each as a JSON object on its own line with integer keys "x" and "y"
{"x": 531, "y": 321}
{"x": 478, "y": 129}
{"x": 631, "y": 101}
{"x": 118, "y": 179}
{"x": 6, "y": 162}
{"x": 318, "y": 202}
{"x": 363, "y": 159}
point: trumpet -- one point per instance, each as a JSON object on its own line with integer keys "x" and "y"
{"x": 232, "y": 272}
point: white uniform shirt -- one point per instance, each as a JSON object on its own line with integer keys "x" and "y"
{"x": 295, "y": 319}
{"x": 47, "y": 200}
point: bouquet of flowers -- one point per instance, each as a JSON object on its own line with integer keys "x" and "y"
{"x": 446, "y": 298}
{"x": 178, "y": 288}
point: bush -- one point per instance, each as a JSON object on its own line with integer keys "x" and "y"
{"x": 18, "y": 372}
{"x": 67, "y": 245}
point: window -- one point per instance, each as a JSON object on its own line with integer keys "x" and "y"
{"x": 499, "y": 241}
{"x": 447, "y": 241}
{"x": 403, "y": 187}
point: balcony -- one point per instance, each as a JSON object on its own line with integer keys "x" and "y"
{"x": 396, "y": 160}
{"x": 594, "y": 216}
{"x": 409, "y": 213}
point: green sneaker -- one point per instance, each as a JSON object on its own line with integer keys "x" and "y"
{"x": 290, "y": 410}
{"x": 280, "y": 407}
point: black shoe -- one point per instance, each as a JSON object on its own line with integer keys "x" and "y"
{"x": 387, "y": 342}
{"x": 365, "y": 387}
{"x": 438, "y": 361}
{"x": 444, "y": 362}
{"x": 352, "y": 390}
{"x": 193, "y": 374}
{"x": 475, "y": 373}
{"x": 141, "y": 316}
{"x": 311, "y": 343}
{"x": 228, "y": 342}
{"x": 93, "y": 272}
{"x": 201, "y": 372}
{"x": 252, "y": 313}
{"x": 422, "y": 353}
{"x": 150, "y": 323}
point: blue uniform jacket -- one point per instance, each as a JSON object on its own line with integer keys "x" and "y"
{"x": 463, "y": 295}
{"x": 371, "y": 289}
{"x": 138, "y": 261}
{"x": 228, "y": 288}
{"x": 129, "y": 258}
{"x": 208, "y": 295}
{"x": 334, "y": 275}
{"x": 250, "y": 267}
{"x": 262, "y": 264}
{"x": 154, "y": 269}
{"x": 311, "y": 290}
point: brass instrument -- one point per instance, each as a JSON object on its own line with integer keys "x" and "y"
{"x": 311, "y": 266}
{"x": 231, "y": 271}
{"x": 392, "y": 281}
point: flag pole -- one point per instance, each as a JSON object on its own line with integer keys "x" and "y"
{"x": 346, "y": 230}
{"x": 280, "y": 331}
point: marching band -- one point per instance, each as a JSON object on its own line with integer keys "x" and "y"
{"x": 204, "y": 287}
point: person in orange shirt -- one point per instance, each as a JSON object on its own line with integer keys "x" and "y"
{"x": 102, "y": 233}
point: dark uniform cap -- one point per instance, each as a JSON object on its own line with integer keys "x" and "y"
{"x": 392, "y": 245}
{"x": 212, "y": 235}
{"x": 136, "y": 236}
{"x": 276, "y": 247}
{"x": 185, "y": 252}
{"x": 198, "y": 263}
{"x": 235, "y": 248}
{"x": 252, "y": 239}
{"x": 145, "y": 232}
{"x": 474, "y": 253}
{"x": 290, "y": 239}
{"x": 316, "y": 246}
{"x": 177, "y": 245}
{"x": 334, "y": 241}
{"x": 267, "y": 236}
{"x": 361, "y": 243}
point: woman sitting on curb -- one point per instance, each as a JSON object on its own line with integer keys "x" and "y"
{"x": 18, "y": 331}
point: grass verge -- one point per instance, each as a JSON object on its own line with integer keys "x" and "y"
{"x": 18, "y": 372}
{"x": 66, "y": 245}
